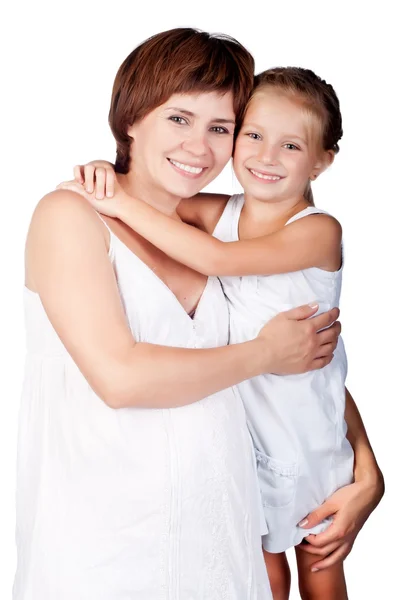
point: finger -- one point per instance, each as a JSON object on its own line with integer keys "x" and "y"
{"x": 100, "y": 183}
{"x": 110, "y": 179}
{"x": 320, "y": 363}
{"x": 325, "y": 319}
{"x": 302, "y": 312}
{"x": 326, "y": 350}
{"x": 327, "y": 509}
{"x": 338, "y": 556}
{"x": 78, "y": 176}
{"x": 89, "y": 178}
{"x": 322, "y": 552}
{"x": 330, "y": 335}
{"x": 67, "y": 184}
{"x": 332, "y": 534}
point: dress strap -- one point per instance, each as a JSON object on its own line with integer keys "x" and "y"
{"x": 227, "y": 226}
{"x": 310, "y": 210}
{"x": 111, "y": 249}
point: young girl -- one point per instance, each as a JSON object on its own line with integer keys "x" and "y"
{"x": 273, "y": 250}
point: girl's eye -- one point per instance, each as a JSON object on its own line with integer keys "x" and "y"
{"x": 178, "y": 120}
{"x": 218, "y": 129}
{"x": 291, "y": 147}
{"x": 254, "y": 136}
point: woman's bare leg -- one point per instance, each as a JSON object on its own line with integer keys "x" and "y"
{"x": 279, "y": 574}
{"x": 328, "y": 584}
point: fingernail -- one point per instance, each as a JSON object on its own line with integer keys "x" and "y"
{"x": 314, "y": 570}
{"x": 313, "y": 305}
{"x": 109, "y": 194}
{"x": 303, "y": 523}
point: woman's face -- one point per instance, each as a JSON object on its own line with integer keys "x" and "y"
{"x": 182, "y": 145}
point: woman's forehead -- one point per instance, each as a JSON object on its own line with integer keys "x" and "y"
{"x": 200, "y": 103}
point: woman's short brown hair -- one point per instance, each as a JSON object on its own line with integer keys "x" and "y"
{"x": 178, "y": 61}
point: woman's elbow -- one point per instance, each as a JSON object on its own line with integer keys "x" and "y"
{"x": 117, "y": 391}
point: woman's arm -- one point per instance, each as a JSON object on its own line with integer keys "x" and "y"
{"x": 69, "y": 267}
{"x": 350, "y": 506}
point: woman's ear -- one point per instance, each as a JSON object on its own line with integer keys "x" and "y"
{"x": 131, "y": 131}
{"x": 322, "y": 163}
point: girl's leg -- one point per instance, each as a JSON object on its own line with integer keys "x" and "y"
{"x": 329, "y": 584}
{"x": 279, "y": 574}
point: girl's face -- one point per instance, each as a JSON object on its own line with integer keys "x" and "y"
{"x": 182, "y": 145}
{"x": 276, "y": 152}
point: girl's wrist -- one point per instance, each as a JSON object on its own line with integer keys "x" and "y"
{"x": 122, "y": 202}
{"x": 368, "y": 472}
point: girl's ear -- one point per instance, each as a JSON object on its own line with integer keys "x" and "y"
{"x": 322, "y": 163}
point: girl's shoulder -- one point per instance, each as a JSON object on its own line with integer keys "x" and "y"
{"x": 203, "y": 211}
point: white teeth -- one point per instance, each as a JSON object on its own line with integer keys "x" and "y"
{"x": 187, "y": 168}
{"x": 261, "y": 176}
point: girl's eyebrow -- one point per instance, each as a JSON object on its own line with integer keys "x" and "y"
{"x": 285, "y": 135}
{"x": 191, "y": 114}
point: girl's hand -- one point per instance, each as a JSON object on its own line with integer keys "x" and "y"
{"x": 349, "y": 507}
{"x": 97, "y": 176}
{"x": 110, "y": 207}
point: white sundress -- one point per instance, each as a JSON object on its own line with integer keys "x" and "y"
{"x": 134, "y": 504}
{"x": 296, "y": 422}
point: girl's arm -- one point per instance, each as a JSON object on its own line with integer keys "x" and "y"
{"x": 203, "y": 210}
{"x": 69, "y": 267}
{"x": 350, "y": 506}
{"x": 310, "y": 242}
{"x": 305, "y": 243}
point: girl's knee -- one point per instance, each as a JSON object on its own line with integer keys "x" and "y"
{"x": 328, "y": 584}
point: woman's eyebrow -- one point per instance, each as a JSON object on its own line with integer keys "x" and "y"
{"x": 191, "y": 114}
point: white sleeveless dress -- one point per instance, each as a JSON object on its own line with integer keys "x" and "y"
{"x": 134, "y": 504}
{"x": 296, "y": 422}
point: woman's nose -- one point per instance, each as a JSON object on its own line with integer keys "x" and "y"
{"x": 196, "y": 143}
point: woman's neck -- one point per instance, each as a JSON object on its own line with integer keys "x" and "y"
{"x": 145, "y": 191}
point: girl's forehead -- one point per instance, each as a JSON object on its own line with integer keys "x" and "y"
{"x": 273, "y": 108}
{"x": 266, "y": 102}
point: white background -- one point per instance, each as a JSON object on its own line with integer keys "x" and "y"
{"x": 60, "y": 59}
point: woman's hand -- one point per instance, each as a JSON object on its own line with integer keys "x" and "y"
{"x": 349, "y": 508}
{"x": 297, "y": 343}
{"x": 97, "y": 176}
{"x": 110, "y": 207}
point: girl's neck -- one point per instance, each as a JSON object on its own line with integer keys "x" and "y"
{"x": 147, "y": 192}
{"x": 265, "y": 217}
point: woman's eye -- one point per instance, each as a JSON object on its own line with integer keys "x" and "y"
{"x": 218, "y": 129}
{"x": 291, "y": 147}
{"x": 178, "y": 120}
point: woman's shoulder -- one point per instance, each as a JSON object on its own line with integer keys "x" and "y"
{"x": 64, "y": 210}
{"x": 63, "y": 219}
{"x": 204, "y": 210}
